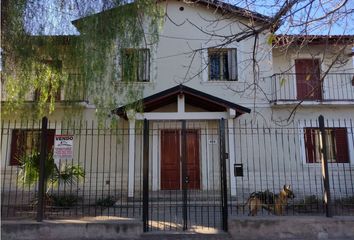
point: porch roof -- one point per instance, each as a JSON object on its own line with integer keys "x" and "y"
{"x": 192, "y": 97}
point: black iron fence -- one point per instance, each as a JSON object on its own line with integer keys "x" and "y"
{"x": 92, "y": 183}
{"x": 105, "y": 176}
{"x": 306, "y": 87}
{"x": 269, "y": 158}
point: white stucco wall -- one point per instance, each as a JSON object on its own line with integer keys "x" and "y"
{"x": 182, "y": 43}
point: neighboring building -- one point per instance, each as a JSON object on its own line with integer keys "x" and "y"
{"x": 220, "y": 83}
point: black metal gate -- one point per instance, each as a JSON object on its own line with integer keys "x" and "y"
{"x": 186, "y": 206}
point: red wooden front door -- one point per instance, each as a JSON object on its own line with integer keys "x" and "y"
{"x": 170, "y": 160}
{"x": 171, "y": 175}
{"x": 308, "y": 83}
{"x": 193, "y": 171}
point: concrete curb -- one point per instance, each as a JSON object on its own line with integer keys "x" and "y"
{"x": 292, "y": 228}
{"x": 71, "y": 229}
{"x": 239, "y": 228}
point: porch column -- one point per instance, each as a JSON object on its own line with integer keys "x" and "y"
{"x": 180, "y": 103}
{"x": 232, "y": 155}
{"x": 131, "y": 158}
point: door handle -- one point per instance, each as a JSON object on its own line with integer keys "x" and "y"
{"x": 186, "y": 179}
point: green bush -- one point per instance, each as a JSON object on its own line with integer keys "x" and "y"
{"x": 310, "y": 200}
{"x": 29, "y": 171}
{"x": 64, "y": 200}
{"x": 346, "y": 200}
{"x": 310, "y": 203}
{"x": 106, "y": 202}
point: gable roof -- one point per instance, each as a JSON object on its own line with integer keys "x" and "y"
{"x": 214, "y": 4}
{"x": 192, "y": 97}
{"x": 238, "y": 11}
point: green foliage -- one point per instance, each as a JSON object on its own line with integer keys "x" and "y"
{"x": 282, "y": 82}
{"x": 42, "y": 80}
{"x": 345, "y": 200}
{"x": 64, "y": 200}
{"x": 271, "y": 39}
{"x": 47, "y": 64}
{"x": 310, "y": 203}
{"x": 311, "y": 199}
{"x": 106, "y": 202}
{"x": 29, "y": 171}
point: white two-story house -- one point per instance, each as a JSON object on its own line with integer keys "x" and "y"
{"x": 268, "y": 94}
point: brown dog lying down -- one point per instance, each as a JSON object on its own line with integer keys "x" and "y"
{"x": 274, "y": 203}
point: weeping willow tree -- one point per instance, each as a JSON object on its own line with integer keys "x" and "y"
{"x": 86, "y": 66}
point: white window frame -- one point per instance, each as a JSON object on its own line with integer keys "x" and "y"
{"x": 221, "y": 51}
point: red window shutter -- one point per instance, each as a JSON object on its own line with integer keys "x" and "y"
{"x": 17, "y": 148}
{"x": 310, "y": 145}
{"x": 18, "y": 144}
{"x": 50, "y": 140}
{"x": 342, "y": 153}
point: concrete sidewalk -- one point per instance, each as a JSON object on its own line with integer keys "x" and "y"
{"x": 248, "y": 228}
{"x": 86, "y": 228}
{"x": 294, "y": 227}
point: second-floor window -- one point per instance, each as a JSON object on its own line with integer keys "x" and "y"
{"x": 222, "y": 64}
{"x": 135, "y": 65}
{"x": 55, "y": 65}
{"x": 57, "y": 95}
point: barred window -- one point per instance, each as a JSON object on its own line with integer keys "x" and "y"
{"x": 135, "y": 65}
{"x": 337, "y": 145}
{"x": 57, "y": 65}
{"x": 223, "y": 64}
{"x": 27, "y": 141}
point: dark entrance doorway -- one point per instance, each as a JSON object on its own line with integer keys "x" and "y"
{"x": 171, "y": 174}
{"x": 192, "y": 193}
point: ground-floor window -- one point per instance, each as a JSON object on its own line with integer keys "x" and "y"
{"x": 337, "y": 145}
{"x": 27, "y": 141}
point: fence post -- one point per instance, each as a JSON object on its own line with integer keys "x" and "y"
{"x": 223, "y": 157}
{"x": 324, "y": 160}
{"x": 184, "y": 175}
{"x": 146, "y": 176}
{"x": 42, "y": 177}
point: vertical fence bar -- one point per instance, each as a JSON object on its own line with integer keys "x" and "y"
{"x": 5, "y": 169}
{"x": 184, "y": 174}
{"x": 146, "y": 176}
{"x": 223, "y": 179}
{"x": 325, "y": 176}
{"x": 42, "y": 177}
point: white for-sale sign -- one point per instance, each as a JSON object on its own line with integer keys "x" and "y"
{"x": 63, "y": 147}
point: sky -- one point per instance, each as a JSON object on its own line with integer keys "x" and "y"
{"x": 53, "y": 17}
